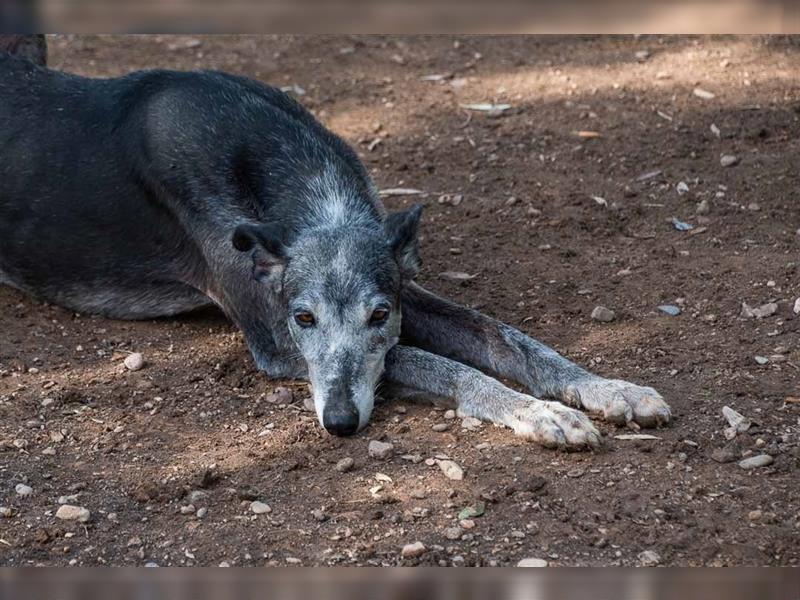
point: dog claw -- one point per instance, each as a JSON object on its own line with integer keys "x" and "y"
{"x": 620, "y": 402}
{"x": 554, "y": 425}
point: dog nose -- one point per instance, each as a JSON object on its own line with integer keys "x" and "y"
{"x": 340, "y": 420}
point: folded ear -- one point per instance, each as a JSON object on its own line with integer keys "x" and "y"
{"x": 402, "y": 231}
{"x": 265, "y": 243}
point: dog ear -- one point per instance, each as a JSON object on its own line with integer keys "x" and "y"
{"x": 265, "y": 243}
{"x": 402, "y": 231}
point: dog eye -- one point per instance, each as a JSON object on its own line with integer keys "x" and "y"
{"x": 304, "y": 319}
{"x": 379, "y": 315}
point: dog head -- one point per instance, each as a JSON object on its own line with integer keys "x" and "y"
{"x": 341, "y": 285}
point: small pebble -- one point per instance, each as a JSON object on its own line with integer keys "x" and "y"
{"x": 754, "y": 462}
{"x": 466, "y": 523}
{"x": 724, "y": 455}
{"x": 755, "y": 515}
{"x": 319, "y": 515}
{"x": 188, "y": 509}
{"x": 704, "y": 94}
{"x": 649, "y": 558}
{"x": 440, "y": 427}
{"x": 702, "y": 208}
{"x": 260, "y": 508}
{"x": 197, "y": 496}
{"x": 603, "y": 314}
{"x": 451, "y": 470}
{"x": 345, "y": 465}
{"x": 6, "y": 512}
{"x": 451, "y": 414}
{"x": 23, "y": 490}
{"x": 134, "y": 362}
{"x": 413, "y": 550}
{"x": 670, "y": 309}
{"x": 736, "y": 420}
{"x": 761, "y": 360}
{"x": 470, "y": 423}
{"x": 728, "y": 160}
{"x": 68, "y": 512}
{"x": 765, "y": 310}
{"x": 202, "y": 512}
{"x": 380, "y": 450}
{"x": 280, "y": 395}
{"x": 796, "y": 308}
{"x": 532, "y": 562}
{"x": 453, "y": 533}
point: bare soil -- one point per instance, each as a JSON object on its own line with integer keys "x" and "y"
{"x": 589, "y": 225}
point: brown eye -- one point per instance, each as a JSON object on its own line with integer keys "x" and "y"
{"x": 304, "y": 319}
{"x": 379, "y": 315}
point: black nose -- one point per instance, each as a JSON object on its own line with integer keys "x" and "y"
{"x": 340, "y": 419}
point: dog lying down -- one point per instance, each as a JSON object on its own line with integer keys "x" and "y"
{"x": 160, "y": 192}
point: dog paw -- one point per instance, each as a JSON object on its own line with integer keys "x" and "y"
{"x": 620, "y": 402}
{"x": 554, "y": 425}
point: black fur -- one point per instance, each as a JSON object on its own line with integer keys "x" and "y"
{"x": 101, "y": 179}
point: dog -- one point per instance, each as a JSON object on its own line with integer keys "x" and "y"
{"x": 161, "y": 192}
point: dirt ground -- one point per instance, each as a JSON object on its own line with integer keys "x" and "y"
{"x": 605, "y": 141}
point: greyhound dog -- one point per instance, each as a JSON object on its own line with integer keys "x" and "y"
{"x": 161, "y": 192}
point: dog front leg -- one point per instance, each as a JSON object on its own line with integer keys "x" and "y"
{"x": 468, "y": 336}
{"x": 475, "y": 394}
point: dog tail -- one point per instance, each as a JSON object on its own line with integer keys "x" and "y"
{"x": 33, "y": 47}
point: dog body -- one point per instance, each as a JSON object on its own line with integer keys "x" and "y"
{"x": 159, "y": 192}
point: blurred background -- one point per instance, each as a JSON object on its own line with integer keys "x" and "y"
{"x": 399, "y": 584}
{"x": 401, "y": 16}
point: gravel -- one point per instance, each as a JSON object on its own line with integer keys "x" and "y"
{"x": 470, "y": 423}
{"x": 319, "y": 515}
{"x": 23, "y": 490}
{"x": 134, "y": 362}
{"x": 380, "y": 450}
{"x": 724, "y": 455}
{"x": 451, "y": 470}
{"x": 736, "y": 419}
{"x": 761, "y": 312}
{"x": 532, "y": 562}
{"x": 754, "y": 462}
{"x": 344, "y": 465}
{"x": 413, "y": 550}
{"x": 603, "y": 314}
{"x": 70, "y": 512}
{"x": 280, "y": 395}
{"x": 649, "y": 558}
{"x": 260, "y": 508}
